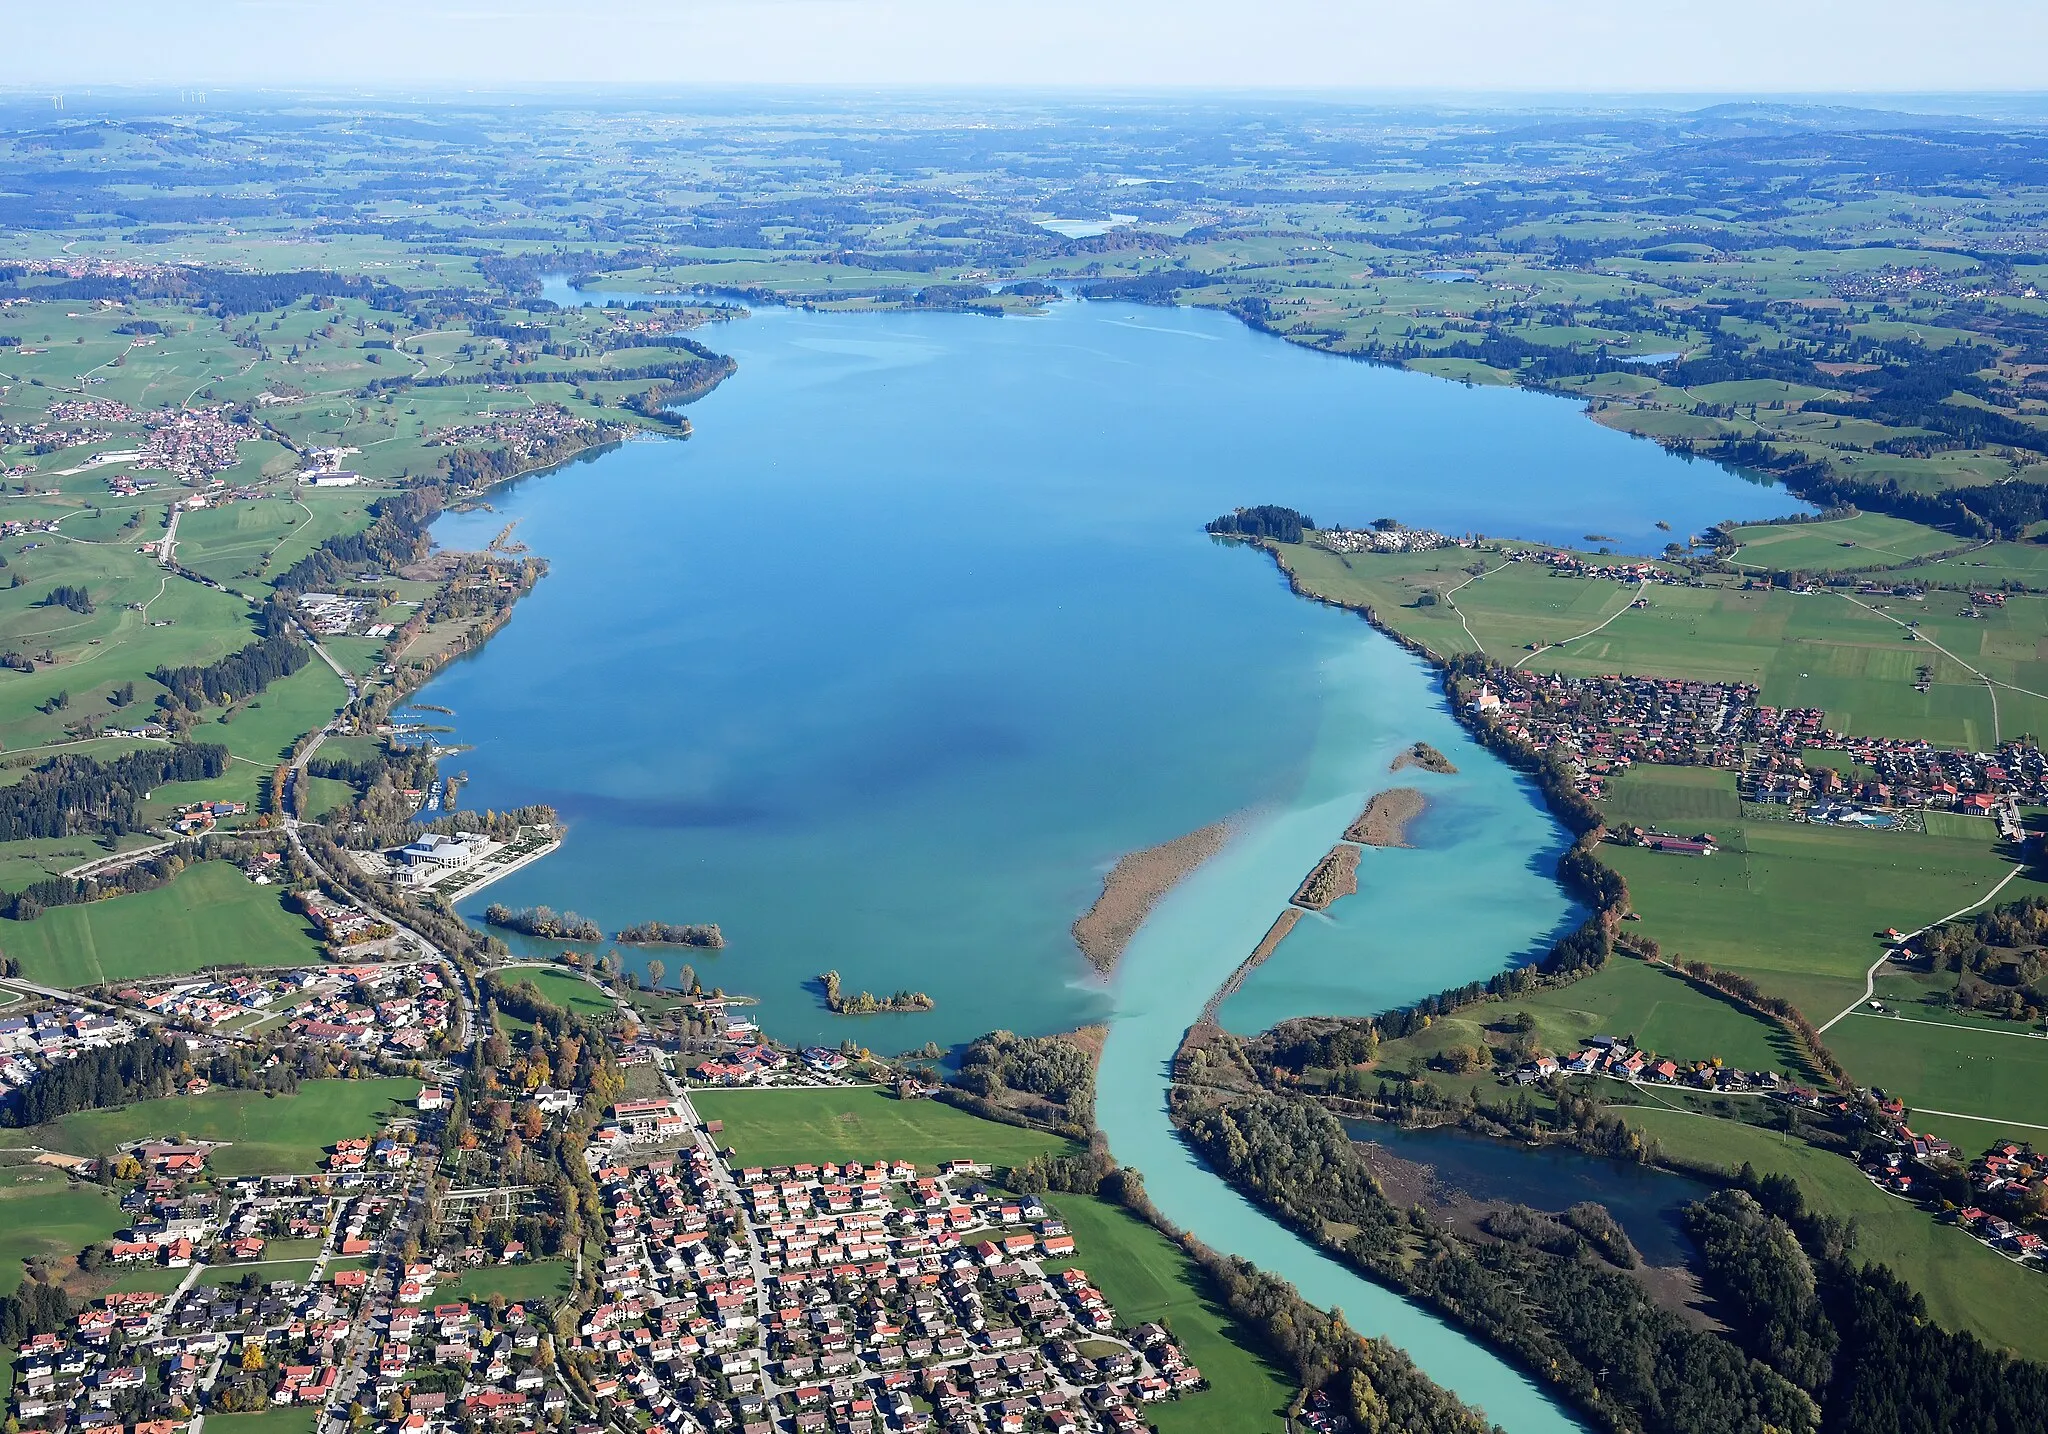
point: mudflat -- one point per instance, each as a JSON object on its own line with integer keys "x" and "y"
{"x": 1384, "y": 822}
{"x": 1134, "y": 885}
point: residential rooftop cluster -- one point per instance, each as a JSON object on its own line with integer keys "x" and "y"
{"x": 856, "y": 1296}
{"x": 524, "y": 432}
{"x": 193, "y": 444}
{"x": 145, "y": 1360}
{"x": 30, "y": 1044}
{"x": 1394, "y": 539}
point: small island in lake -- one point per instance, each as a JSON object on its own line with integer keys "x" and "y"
{"x": 1426, "y": 757}
{"x": 1336, "y": 875}
{"x": 867, "y": 1003}
{"x": 544, "y": 922}
{"x": 1134, "y": 885}
{"x": 660, "y": 933}
{"x": 1384, "y": 822}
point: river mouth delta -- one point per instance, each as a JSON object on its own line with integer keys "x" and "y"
{"x": 919, "y": 634}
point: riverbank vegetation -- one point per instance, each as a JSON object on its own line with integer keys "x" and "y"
{"x": 867, "y": 1003}
{"x": 1133, "y": 886}
{"x": 662, "y": 933}
{"x": 544, "y": 922}
{"x": 1333, "y": 878}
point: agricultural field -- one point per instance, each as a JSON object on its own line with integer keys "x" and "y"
{"x": 1979, "y": 1069}
{"x": 210, "y": 915}
{"x": 1148, "y": 1278}
{"x": 1659, "y": 1010}
{"x": 1854, "y": 657}
{"x": 285, "y": 1134}
{"x": 1665, "y": 797}
{"x": 1801, "y": 909}
{"x": 1868, "y": 540}
{"x": 782, "y": 1127}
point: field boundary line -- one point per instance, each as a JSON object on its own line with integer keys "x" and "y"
{"x": 1870, "y": 976}
{"x": 1954, "y": 1026}
{"x": 1986, "y": 1119}
{"x": 1477, "y": 645}
{"x": 1641, "y": 588}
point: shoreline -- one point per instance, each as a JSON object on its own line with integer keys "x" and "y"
{"x": 1384, "y": 822}
{"x": 1132, "y": 887}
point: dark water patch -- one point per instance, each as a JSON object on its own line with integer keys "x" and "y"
{"x": 1646, "y": 1201}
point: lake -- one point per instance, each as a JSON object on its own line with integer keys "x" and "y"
{"x": 885, "y": 666}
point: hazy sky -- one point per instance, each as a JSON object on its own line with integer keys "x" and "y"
{"x": 1607, "y": 46}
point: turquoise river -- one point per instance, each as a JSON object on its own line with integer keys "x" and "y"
{"x": 886, "y": 665}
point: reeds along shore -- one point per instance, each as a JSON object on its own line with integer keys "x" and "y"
{"x": 1133, "y": 887}
{"x": 1384, "y": 822}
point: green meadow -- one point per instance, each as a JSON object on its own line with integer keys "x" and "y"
{"x": 786, "y": 1127}
{"x": 284, "y": 1134}
{"x": 1799, "y": 908}
{"x": 1146, "y": 1277}
{"x": 211, "y": 915}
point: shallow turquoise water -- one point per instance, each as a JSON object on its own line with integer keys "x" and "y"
{"x": 884, "y": 667}
{"x": 920, "y": 631}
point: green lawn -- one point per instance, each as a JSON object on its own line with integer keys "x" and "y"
{"x": 1689, "y": 797}
{"x": 285, "y": 1134}
{"x": 542, "y": 1279}
{"x": 284, "y": 1419}
{"x": 1147, "y": 1277}
{"x": 564, "y": 988}
{"x": 785, "y": 1127}
{"x": 211, "y": 915}
{"x": 43, "y": 1214}
{"x": 297, "y": 1271}
{"x": 1966, "y": 1286}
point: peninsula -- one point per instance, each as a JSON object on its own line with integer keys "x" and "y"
{"x": 1134, "y": 885}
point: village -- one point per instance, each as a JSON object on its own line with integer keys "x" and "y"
{"x": 1609, "y": 724}
{"x": 31, "y": 1043}
{"x": 398, "y": 1010}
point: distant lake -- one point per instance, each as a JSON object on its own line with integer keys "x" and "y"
{"x": 886, "y": 666}
{"x": 920, "y": 631}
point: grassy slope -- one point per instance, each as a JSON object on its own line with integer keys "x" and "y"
{"x": 1966, "y": 1285}
{"x": 774, "y": 1127}
{"x": 1866, "y": 540}
{"x": 283, "y": 1135}
{"x": 564, "y": 989}
{"x": 1147, "y": 1277}
{"x": 42, "y": 1214}
{"x": 1798, "y": 907}
{"x": 210, "y": 915}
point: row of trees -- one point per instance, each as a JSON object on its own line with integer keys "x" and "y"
{"x": 141, "y": 1069}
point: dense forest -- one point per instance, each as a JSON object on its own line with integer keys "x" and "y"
{"x": 396, "y": 536}
{"x": 1056, "y": 1071}
{"x": 141, "y": 1069}
{"x": 76, "y": 795}
{"x": 1815, "y": 1342}
{"x": 1281, "y": 525}
{"x": 238, "y": 675}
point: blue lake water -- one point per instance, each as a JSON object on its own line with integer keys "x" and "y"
{"x": 884, "y": 667}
